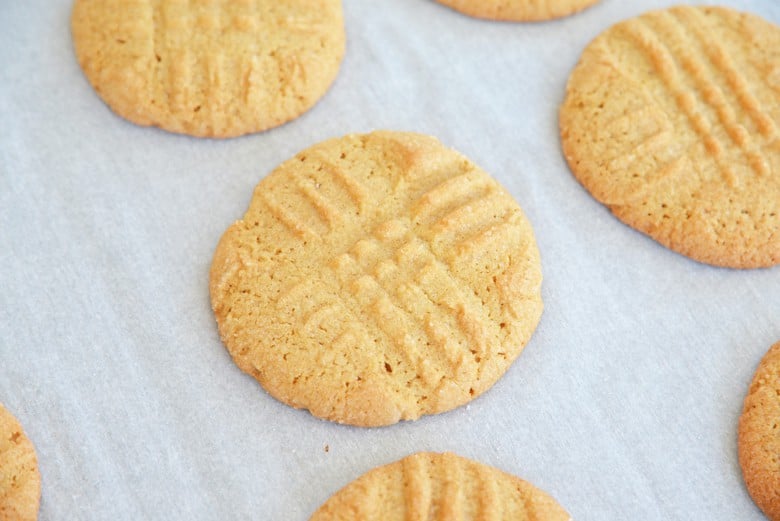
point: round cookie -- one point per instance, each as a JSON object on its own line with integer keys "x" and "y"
{"x": 518, "y": 10}
{"x": 439, "y": 486}
{"x": 759, "y": 436}
{"x": 377, "y": 278}
{"x": 209, "y": 69}
{"x": 20, "y": 481}
{"x": 671, "y": 119}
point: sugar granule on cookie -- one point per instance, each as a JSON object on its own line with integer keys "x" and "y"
{"x": 434, "y": 486}
{"x": 209, "y": 69}
{"x": 672, "y": 120}
{"x": 20, "y": 480}
{"x": 377, "y": 278}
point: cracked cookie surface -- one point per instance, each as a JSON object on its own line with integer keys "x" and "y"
{"x": 377, "y": 278}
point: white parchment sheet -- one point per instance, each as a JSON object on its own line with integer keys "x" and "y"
{"x": 624, "y": 404}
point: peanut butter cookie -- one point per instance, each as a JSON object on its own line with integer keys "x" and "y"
{"x": 377, "y": 278}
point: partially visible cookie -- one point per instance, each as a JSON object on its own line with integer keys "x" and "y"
{"x": 216, "y": 69}
{"x": 518, "y": 10}
{"x": 672, "y": 120}
{"x": 430, "y": 486}
{"x": 759, "y": 435}
{"x": 20, "y": 481}
{"x": 377, "y": 278}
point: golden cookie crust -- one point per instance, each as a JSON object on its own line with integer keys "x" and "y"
{"x": 671, "y": 120}
{"x": 759, "y": 435}
{"x": 430, "y": 486}
{"x": 377, "y": 278}
{"x": 20, "y": 481}
{"x": 518, "y": 10}
{"x": 209, "y": 69}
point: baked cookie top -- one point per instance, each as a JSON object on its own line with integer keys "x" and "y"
{"x": 20, "y": 481}
{"x": 759, "y": 435}
{"x": 671, "y": 120}
{"x": 430, "y": 486}
{"x": 377, "y": 278}
{"x": 518, "y": 10}
{"x": 209, "y": 69}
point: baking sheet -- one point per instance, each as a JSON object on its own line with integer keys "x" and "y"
{"x": 623, "y": 406}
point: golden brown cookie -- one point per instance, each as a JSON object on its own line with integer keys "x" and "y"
{"x": 20, "y": 481}
{"x": 759, "y": 435}
{"x": 377, "y": 278}
{"x": 671, "y": 120}
{"x": 430, "y": 486}
{"x": 206, "y": 68}
{"x": 518, "y": 10}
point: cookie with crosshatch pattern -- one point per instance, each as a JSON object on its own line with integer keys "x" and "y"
{"x": 20, "y": 480}
{"x": 759, "y": 435}
{"x": 672, "y": 120}
{"x": 209, "y": 68}
{"x": 518, "y": 10}
{"x": 430, "y": 486}
{"x": 377, "y": 278}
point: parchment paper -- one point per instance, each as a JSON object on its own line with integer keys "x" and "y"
{"x": 624, "y": 405}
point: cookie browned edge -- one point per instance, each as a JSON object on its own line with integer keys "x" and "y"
{"x": 477, "y": 9}
{"x": 24, "y": 446}
{"x": 759, "y": 435}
